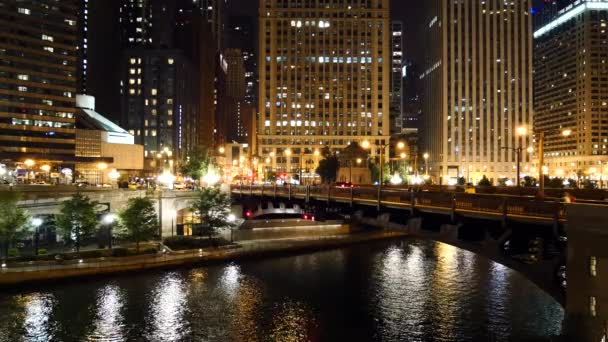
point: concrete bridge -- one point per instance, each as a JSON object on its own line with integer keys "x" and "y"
{"x": 48, "y": 201}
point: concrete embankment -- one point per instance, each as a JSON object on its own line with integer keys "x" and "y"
{"x": 31, "y": 273}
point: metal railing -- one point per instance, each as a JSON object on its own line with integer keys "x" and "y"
{"x": 493, "y": 204}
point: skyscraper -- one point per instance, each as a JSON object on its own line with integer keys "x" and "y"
{"x": 477, "y": 88}
{"x": 38, "y": 68}
{"x": 571, "y": 88}
{"x": 324, "y": 71}
{"x": 159, "y": 68}
{"x": 396, "y": 114}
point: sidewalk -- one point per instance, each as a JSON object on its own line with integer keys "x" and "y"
{"x": 14, "y": 274}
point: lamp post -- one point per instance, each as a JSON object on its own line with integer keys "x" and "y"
{"x": 102, "y": 167}
{"x": 426, "y": 164}
{"x": 29, "y": 163}
{"x": 36, "y": 222}
{"x": 108, "y": 220}
{"x": 287, "y": 153}
{"x": 541, "y": 159}
{"x": 366, "y": 144}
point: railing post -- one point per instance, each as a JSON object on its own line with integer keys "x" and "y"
{"x": 289, "y": 191}
{"x": 328, "y": 194}
{"x": 352, "y": 196}
{"x": 241, "y": 189}
{"x": 413, "y": 200}
{"x": 251, "y": 189}
{"x": 308, "y": 194}
{"x": 505, "y": 211}
{"x": 556, "y": 218}
{"x": 275, "y": 190}
{"x": 453, "y": 214}
{"x": 262, "y": 194}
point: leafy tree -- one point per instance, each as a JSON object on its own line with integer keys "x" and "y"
{"x": 196, "y": 163}
{"x": 212, "y": 207}
{"x": 13, "y": 220}
{"x": 485, "y": 181}
{"x": 374, "y": 168}
{"x": 529, "y": 182}
{"x": 555, "y": 183}
{"x": 502, "y": 181}
{"x": 328, "y": 168}
{"x": 572, "y": 183}
{"x": 77, "y": 219}
{"x": 461, "y": 181}
{"x": 138, "y": 221}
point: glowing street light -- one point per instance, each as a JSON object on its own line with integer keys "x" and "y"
{"x": 426, "y": 163}
{"x": 222, "y": 150}
{"x": 45, "y": 168}
{"x": 29, "y": 162}
{"x": 401, "y": 145}
{"x": 36, "y": 223}
{"x": 365, "y": 144}
{"x": 521, "y": 131}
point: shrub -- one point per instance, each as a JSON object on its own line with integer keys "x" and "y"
{"x": 120, "y": 252}
{"x": 13, "y": 252}
{"x": 42, "y": 251}
{"x": 191, "y": 242}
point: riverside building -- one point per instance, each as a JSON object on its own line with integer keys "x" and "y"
{"x": 325, "y": 71}
{"x": 477, "y": 88}
{"x": 571, "y": 88}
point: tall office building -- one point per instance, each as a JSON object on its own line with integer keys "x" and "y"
{"x": 397, "y": 74}
{"x": 83, "y": 45}
{"x": 38, "y": 72}
{"x": 159, "y": 75}
{"x": 240, "y": 34}
{"x": 571, "y": 88}
{"x": 412, "y": 99}
{"x": 232, "y": 105}
{"x": 324, "y": 71}
{"x": 477, "y": 88}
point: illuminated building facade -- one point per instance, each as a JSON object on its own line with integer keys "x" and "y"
{"x": 396, "y": 115}
{"x": 38, "y": 79}
{"x": 325, "y": 71}
{"x": 571, "y": 89}
{"x": 477, "y": 88}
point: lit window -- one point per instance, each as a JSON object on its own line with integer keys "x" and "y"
{"x": 593, "y": 266}
{"x": 132, "y": 91}
{"x": 23, "y": 77}
{"x": 170, "y": 112}
{"x": 153, "y": 132}
{"x": 47, "y": 38}
{"x": 592, "y": 306}
{"x": 170, "y": 123}
{"x": 132, "y": 61}
{"x": 22, "y": 88}
{"x": 170, "y": 101}
{"x": 131, "y": 81}
{"x": 132, "y": 71}
{"x": 170, "y": 61}
{"x": 154, "y": 91}
{"x": 48, "y": 48}
{"x": 23, "y": 10}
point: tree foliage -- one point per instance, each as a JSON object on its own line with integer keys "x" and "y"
{"x": 212, "y": 208}
{"x": 328, "y": 166}
{"x": 138, "y": 221}
{"x": 13, "y": 220}
{"x": 374, "y": 168}
{"x": 196, "y": 163}
{"x": 484, "y": 181}
{"x": 530, "y": 182}
{"x": 77, "y": 219}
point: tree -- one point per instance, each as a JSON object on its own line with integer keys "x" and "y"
{"x": 196, "y": 163}
{"x": 328, "y": 168}
{"x": 374, "y": 168}
{"x": 77, "y": 219}
{"x": 212, "y": 207}
{"x": 138, "y": 221}
{"x": 485, "y": 181}
{"x": 529, "y": 182}
{"x": 13, "y": 220}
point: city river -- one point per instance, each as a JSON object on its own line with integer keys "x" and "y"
{"x": 407, "y": 290}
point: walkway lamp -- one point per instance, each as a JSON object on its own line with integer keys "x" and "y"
{"x": 366, "y": 144}
{"x": 541, "y": 158}
{"x": 36, "y": 223}
{"x": 109, "y": 219}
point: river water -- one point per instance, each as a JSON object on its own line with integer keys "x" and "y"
{"x": 406, "y": 290}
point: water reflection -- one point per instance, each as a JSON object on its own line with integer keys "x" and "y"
{"x": 405, "y": 291}
{"x": 38, "y": 310}
{"x": 109, "y": 320}
{"x": 166, "y": 316}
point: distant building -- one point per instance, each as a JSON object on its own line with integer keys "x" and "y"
{"x": 325, "y": 73}
{"x": 477, "y": 81}
{"x": 240, "y": 34}
{"x": 412, "y": 98}
{"x": 571, "y": 88}
{"x": 109, "y": 148}
{"x": 397, "y": 74}
{"x": 39, "y": 80}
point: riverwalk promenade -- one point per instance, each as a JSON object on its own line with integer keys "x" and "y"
{"x": 12, "y": 274}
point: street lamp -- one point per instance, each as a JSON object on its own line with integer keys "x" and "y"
{"x": 36, "y": 222}
{"x": 426, "y": 164}
{"x": 222, "y": 150}
{"x": 102, "y": 167}
{"x": 108, "y": 219}
{"x": 29, "y": 163}
{"x": 541, "y": 158}
{"x": 366, "y": 144}
{"x": 520, "y": 131}
{"x": 114, "y": 175}
{"x": 287, "y": 153}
